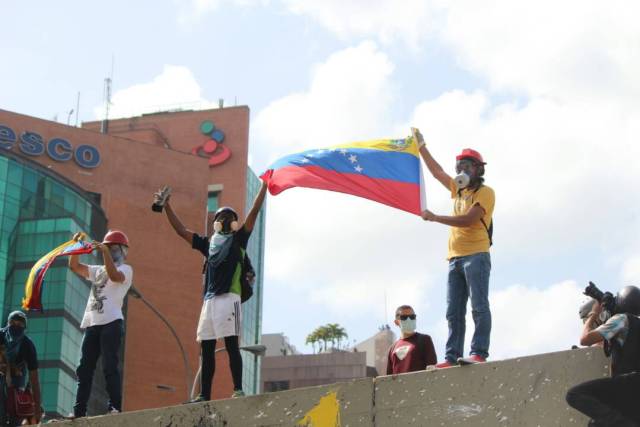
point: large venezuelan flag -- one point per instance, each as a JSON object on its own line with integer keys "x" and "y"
{"x": 35, "y": 282}
{"x": 387, "y": 171}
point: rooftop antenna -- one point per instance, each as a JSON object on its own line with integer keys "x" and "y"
{"x": 77, "y": 108}
{"x": 69, "y": 116}
{"x": 107, "y": 99}
{"x": 384, "y": 318}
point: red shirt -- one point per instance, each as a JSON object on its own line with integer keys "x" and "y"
{"x": 411, "y": 354}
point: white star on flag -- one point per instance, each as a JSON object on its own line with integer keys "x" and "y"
{"x": 343, "y": 152}
{"x": 353, "y": 158}
{"x": 305, "y": 160}
{"x": 358, "y": 169}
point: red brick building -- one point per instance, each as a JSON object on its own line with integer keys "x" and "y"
{"x": 136, "y": 157}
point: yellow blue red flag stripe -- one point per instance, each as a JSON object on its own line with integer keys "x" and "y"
{"x": 35, "y": 281}
{"x": 387, "y": 171}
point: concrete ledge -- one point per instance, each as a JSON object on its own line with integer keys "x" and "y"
{"x": 527, "y": 391}
{"x": 345, "y": 404}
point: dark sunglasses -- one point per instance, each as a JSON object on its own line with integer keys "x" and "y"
{"x": 407, "y": 316}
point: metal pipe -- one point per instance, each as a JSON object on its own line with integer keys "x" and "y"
{"x": 136, "y": 294}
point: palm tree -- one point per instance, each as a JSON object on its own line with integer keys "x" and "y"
{"x": 340, "y": 334}
{"x": 323, "y": 335}
{"x": 312, "y": 339}
{"x": 332, "y": 328}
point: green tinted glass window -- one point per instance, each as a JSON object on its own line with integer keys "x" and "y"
{"x": 212, "y": 202}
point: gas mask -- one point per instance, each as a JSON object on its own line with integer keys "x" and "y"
{"x": 225, "y": 226}
{"x": 467, "y": 172}
{"x": 462, "y": 180}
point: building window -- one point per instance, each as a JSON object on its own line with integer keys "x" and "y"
{"x": 212, "y": 201}
{"x": 270, "y": 386}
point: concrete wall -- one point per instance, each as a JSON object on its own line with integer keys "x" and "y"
{"x": 345, "y": 404}
{"x": 527, "y": 391}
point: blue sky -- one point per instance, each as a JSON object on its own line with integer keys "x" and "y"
{"x": 547, "y": 92}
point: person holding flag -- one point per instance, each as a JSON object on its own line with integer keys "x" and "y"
{"x": 470, "y": 236}
{"x": 103, "y": 319}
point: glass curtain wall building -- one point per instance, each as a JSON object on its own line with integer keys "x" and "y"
{"x": 252, "y": 309}
{"x": 39, "y": 210}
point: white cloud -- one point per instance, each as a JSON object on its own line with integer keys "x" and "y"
{"x": 174, "y": 88}
{"x": 569, "y": 50}
{"x": 350, "y": 97}
{"x": 409, "y": 21}
{"x": 343, "y": 253}
{"x": 193, "y": 10}
{"x": 529, "y": 320}
{"x": 574, "y": 49}
{"x": 631, "y": 270}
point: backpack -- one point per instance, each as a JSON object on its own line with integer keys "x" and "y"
{"x": 247, "y": 277}
{"x": 490, "y": 228}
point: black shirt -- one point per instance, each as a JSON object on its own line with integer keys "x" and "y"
{"x": 26, "y": 354}
{"x": 218, "y": 280}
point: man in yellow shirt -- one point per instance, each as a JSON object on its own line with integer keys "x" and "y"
{"x": 469, "y": 260}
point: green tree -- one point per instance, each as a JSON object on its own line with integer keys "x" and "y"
{"x": 312, "y": 339}
{"x": 323, "y": 335}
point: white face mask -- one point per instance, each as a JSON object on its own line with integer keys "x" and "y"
{"x": 408, "y": 326}
{"x": 118, "y": 254}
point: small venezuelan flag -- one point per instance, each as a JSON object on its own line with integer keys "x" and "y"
{"x": 35, "y": 282}
{"x": 387, "y": 171}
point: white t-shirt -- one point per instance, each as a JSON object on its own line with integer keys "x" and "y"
{"x": 106, "y": 297}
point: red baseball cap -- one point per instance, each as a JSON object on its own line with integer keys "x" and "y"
{"x": 469, "y": 153}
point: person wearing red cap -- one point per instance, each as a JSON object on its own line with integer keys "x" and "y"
{"x": 103, "y": 319}
{"x": 470, "y": 237}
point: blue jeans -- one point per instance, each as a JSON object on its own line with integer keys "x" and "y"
{"x": 468, "y": 277}
{"x": 99, "y": 340}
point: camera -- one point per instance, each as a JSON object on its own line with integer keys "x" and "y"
{"x": 607, "y": 299}
{"x": 160, "y": 198}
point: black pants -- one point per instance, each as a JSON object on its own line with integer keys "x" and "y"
{"x": 608, "y": 401}
{"x": 209, "y": 364}
{"x": 100, "y": 340}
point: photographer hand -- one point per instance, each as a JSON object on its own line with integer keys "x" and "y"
{"x": 596, "y": 309}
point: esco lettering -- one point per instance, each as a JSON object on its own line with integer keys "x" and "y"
{"x": 58, "y": 149}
